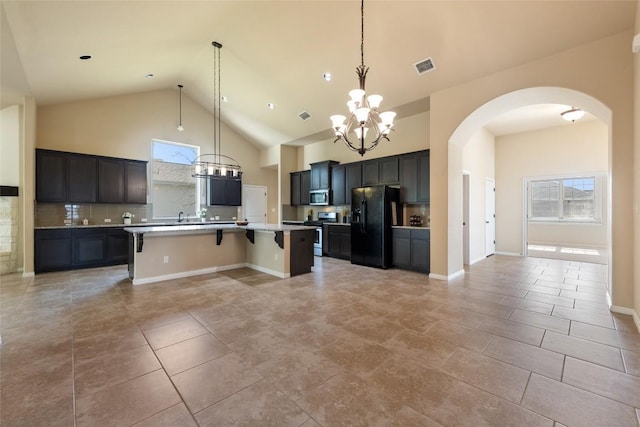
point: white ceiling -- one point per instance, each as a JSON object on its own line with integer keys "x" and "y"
{"x": 277, "y": 51}
{"x": 530, "y": 118}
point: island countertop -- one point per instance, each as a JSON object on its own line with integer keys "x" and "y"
{"x": 206, "y": 228}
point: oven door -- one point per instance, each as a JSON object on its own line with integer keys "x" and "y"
{"x": 317, "y": 242}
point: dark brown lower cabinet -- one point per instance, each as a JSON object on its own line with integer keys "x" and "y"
{"x": 53, "y": 250}
{"x": 301, "y": 251}
{"x": 411, "y": 249}
{"x": 69, "y": 249}
{"x": 338, "y": 241}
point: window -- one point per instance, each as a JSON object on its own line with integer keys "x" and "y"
{"x": 173, "y": 188}
{"x": 572, "y": 199}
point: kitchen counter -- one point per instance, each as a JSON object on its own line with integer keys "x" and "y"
{"x": 137, "y": 224}
{"x": 410, "y": 227}
{"x": 158, "y": 252}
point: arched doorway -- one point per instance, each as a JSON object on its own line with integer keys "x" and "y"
{"x": 478, "y": 119}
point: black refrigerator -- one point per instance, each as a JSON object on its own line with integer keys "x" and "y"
{"x": 372, "y": 215}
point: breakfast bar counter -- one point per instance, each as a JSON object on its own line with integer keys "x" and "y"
{"x": 159, "y": 253}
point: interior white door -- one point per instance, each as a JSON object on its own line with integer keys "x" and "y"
{"x": 490, "y": 217}
{"x": 254, "y": 204}
{"x": 465, "y": 219}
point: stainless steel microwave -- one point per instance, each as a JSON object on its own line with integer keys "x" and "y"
{"x": 320, "y": 197}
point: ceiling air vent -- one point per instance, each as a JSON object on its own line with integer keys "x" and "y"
{"x": 425, "y": 66}
{"x": 304, "y": 115}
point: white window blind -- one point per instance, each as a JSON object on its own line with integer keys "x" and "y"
{"x": 571, "y": 199}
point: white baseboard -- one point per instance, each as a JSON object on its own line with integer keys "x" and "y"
{"x": 184, "y": 274}
{"x": 507, "y": 253}
{"x": 446, "y": 278}
{"x": 28, "y": 274}
{"x": 629, "y": 311}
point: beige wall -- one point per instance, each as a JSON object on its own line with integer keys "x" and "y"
{"x": 609, "y": 80}
{"x": 579, "y": 148}
{"x": 10, "y": 128}
{"x": 123, "y": 126}
{"x": 479, "y": 163}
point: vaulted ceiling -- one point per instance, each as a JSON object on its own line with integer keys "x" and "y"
{"x": 277, "y": 51}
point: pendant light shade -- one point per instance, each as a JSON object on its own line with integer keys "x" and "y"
{"x": 180, "y": 128}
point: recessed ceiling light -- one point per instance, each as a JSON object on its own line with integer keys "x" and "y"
{"x": 149, "y": 76}
{"x": 327, "y": 76}
{"x": 85, "y": 57}
{"x": 271, "y": 106}
{"x": 224, "y": 99}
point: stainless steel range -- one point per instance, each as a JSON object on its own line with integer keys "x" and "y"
{"x": 322, "y": 218}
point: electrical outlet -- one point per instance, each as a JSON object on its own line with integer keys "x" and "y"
{"x": 107, "y": 220}
{"x": 166, "y": 259}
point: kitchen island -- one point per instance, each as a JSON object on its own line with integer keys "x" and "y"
{"x": 159, "y": 253}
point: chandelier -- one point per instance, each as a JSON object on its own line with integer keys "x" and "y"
{"x": 216, "y": 165}
{"x": 363, "y": 113}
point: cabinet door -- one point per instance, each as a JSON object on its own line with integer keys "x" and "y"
{"x": 423, "y": 177}
{"x": 333, "y": 242}
{"x": 51, "y": 176}
{"x": 338, "y": 185}
{"x": 295, "y": 188}
{"x": 90, "y": 247}
{"x": 345, "y": 242}
{"x": 118, "y": 246}
{"x": 83, "y": 178}
{"x": 370, "y": 172}
{"x": 389, "y": 171}
{"x": 110, "y": 180}
{"x": 316, "y": 172}
{"x": 420, "y": 255}
{"x": 305, "y": 182}
{"x": 217, "y": 192}
{"x": 401, "y": 250}
{"x": 135, "y": 189}
{"x": 353, "y": 179}
{"x": 234, "y": 192}
{"x": 301, "y": 258}
{"x": 409, "y": 179}
{"x": 53, "y": 250}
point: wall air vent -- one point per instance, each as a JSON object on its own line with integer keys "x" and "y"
{"x": 304, "y": 115}
{"x": 425, "y": 66}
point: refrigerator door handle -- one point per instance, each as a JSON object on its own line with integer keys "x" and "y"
{"x": 363, "y": 219}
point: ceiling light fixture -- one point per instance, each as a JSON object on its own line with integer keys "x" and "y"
{"x": 573, "y": 114}
{"x": 149, "y": 76}
{"x": 180, "y": 128}
{"x": 363, "y": 116}
{"x": 327, "y": 76}
{"x": 216, "y": 165}
{"x": 271, "y": 106}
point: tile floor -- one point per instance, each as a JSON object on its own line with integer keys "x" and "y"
{"x": 518, "y": 342}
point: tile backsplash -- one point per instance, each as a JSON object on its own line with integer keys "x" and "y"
{"x": 53, "y": 214}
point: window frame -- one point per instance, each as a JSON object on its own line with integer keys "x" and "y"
{"x": 598, "y": 179}
{"x": 198, "y": 187}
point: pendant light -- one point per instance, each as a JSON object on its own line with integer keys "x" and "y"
{"x": 216, "y": 165}
{"x": 180, "y": 128}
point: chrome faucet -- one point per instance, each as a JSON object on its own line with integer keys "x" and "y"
{"x": 180, "y": 216}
